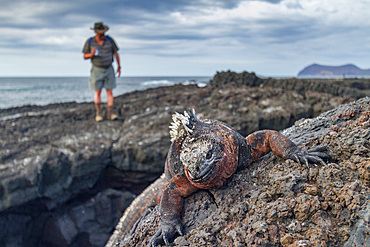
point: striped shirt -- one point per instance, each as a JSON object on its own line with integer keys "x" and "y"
{"x": 104, "y": 56}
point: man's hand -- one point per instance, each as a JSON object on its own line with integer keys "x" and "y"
{"x": 92, "y": 53}
{"x": 118, "y": 71}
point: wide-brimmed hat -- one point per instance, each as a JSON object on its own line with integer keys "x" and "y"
{"x": 100, "y": 27}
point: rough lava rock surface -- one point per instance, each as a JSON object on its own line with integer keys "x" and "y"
{"x": 281, "y": 203}
{"x": 65, "y": 180}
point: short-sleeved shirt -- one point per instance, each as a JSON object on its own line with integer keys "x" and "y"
{"x": 104, "y": 57}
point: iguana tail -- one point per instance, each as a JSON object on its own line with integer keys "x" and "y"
{"x": 150, "y": 197}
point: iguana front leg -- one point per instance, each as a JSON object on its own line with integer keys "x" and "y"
{"x": 171, "y": 206}
{"x": 264, "y": 141}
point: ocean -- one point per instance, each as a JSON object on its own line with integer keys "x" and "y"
{"x": 23, "y": 91}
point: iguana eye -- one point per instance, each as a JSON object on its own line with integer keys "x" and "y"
{"x": 209, "y": 155}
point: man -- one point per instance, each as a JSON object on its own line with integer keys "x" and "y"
{"x": 100, "y": 49}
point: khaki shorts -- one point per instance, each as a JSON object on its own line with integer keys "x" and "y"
{"x": 102, "y": 78}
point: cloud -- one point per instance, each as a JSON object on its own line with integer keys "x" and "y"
{"x": 254, "y": 34}
{"x": 31, "y": 14}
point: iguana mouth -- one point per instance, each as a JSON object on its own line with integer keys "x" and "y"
{"x": 202, "y": 176}
{"x": 205, "y": 172}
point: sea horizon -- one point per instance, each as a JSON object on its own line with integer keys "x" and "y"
{"x": 45, "y": 90}
{"x": 20, "y": 91}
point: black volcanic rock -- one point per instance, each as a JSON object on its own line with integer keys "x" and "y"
{"x": 351, "y": 87}
{"x": 324, "y": 70}
{"x": 276, "y": 202}
{"x": 65, "y": 179}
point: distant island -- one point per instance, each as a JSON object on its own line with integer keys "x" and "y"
{"x": 343, "y": 70}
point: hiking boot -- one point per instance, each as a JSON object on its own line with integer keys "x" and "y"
{"x": 112, "y": 117}
{"x": 98, "y": 118}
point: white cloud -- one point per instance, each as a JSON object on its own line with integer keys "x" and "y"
{"x": 263, "y": 36}
{"x": 29, "y": 13}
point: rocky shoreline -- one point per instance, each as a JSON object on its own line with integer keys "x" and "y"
{"x": 282, "y": 203}
{"x": 65, "y": 180}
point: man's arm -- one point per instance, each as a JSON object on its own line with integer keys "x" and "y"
{"x": 90, "y": 55}
{"x": 118, "y": 64}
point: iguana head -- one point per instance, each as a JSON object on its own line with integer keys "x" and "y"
{"x": 208, "y": 149}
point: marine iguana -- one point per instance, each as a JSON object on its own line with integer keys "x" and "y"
{"x": 203, "y": 155}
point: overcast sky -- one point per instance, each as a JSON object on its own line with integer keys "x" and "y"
{"x": 185, "y": 37}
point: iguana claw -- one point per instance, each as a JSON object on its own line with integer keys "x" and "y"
{"x": 313, "y": 155}
{"x": 166, "y": 233}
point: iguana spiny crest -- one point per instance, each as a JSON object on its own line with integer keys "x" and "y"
{"x": 186, "y": 120}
